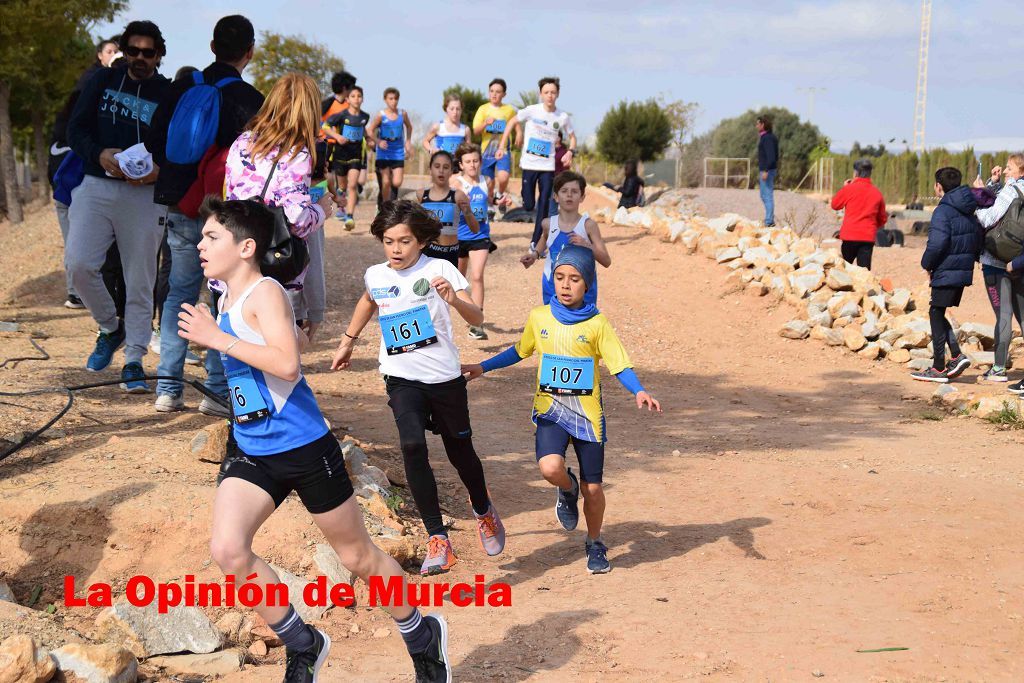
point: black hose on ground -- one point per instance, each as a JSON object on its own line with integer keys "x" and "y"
{"x": 70, "y": 393}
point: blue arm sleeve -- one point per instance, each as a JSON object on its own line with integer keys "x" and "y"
{"x": 504, "y": 359}
{"x": 629, "y": 380}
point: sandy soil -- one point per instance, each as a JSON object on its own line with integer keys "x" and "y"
{"x": 793, "y": 505}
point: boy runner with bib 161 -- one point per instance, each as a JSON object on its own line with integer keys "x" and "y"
{"x": 284, "y": 443}
{"x": 420, "y": 363}
{"x": 571, "y": 337}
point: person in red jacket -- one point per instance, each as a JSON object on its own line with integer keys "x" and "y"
{"x": 865, "y": 214}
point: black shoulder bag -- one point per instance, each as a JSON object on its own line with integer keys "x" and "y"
{"x": 287, "y": 256}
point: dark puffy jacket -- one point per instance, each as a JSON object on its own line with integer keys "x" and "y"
{"x": 954, "y": 240}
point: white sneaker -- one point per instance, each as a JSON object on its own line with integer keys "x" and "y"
{"x": 165, "y": 403}
{"x": 213, "y": 409}
{"x": 154, "y": 342}
{"x": 192, "y": 358}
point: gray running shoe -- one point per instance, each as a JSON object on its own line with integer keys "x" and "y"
{"x": 490, "y": 531}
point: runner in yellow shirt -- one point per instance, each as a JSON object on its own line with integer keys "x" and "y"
{"x": 572, "y": 337}
{"x": 489, "y": 122}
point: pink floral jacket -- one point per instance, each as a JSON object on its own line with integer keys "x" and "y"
{"x": 289, "y": 187}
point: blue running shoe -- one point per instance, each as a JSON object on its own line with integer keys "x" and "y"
{"x": 106, "y": 344}
{"x": 597, "y": 558}
{"x": 131, "y": 379}
{"x": 566, "y": 509}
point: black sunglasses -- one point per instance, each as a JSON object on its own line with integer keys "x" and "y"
{"x": 147, "y": 52}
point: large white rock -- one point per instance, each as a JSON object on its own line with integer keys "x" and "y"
{"x": 621, "y": 216}
{"x": 727, "y": 254}
{"x": 146, "y": 632}
{"x": 985, "y": 333}
{"x": 216, "y": 664}
{"x": 838, "y": 281}
{"x": 725, "y": 223}
{"x": 899, "y": 301}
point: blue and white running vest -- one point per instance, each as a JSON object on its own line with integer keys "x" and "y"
{"x": 271, "y": 415}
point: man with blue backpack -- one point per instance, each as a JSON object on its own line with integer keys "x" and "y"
{"x": 202, "y": 115}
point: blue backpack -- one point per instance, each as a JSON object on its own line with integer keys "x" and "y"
{"x": 69, "y": 175}
{"x": 193, "y": 126}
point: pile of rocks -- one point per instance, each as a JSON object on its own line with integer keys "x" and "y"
{"x": 838, "y": 304}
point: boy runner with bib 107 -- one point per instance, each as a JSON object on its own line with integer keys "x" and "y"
{"x": 571, "y": 337}
{"x": 420, "y": 363}
{"x": 284, "y": 443}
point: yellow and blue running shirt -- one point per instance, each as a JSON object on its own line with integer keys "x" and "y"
{"x": 568, "y": 390}
{"x": 492, "y": 133}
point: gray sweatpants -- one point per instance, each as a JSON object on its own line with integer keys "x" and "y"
{"x": 102, "y": 212}
{"x": 311, "y": 303}
{"x": 65, "y": 225}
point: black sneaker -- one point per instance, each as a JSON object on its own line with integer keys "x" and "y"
{"x": 1016, "y": 387}
{"x": 303, "y": 666}
{"x": 597, "y": 557}
{"x": 432, "y": 665}
{"x": 566, "y": 509}
{"x": 957, "y": 365}
{"x": 73, "y": 302}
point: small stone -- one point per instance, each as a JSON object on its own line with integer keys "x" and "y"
{"x": 827, "y": 335}
{"x": 899, "y": 356}
{"x": 381, "y": 633}
{"x": 258, "y": 649}
{"x": 839, "y": 281}
{"x": 939, "y": 395}
{"x": 22, "y": 659}
{"x": 230, "y": 625}
{"x": 991, "y": 405}
{"x": 919, "y": 364}
{"x": 921, "y": 353}
{"x": 795, "y": 329}
{"x": 215, "y": 445}
{"x": 401, "y": 549}
{"x": 6, "y": 594}
{"x": 676, "y": 453}
{"x": 8, "y": 326}
{"x": 354, "y": 628}
{"x": 817, "y": 673}
{"x": 872, "y": 351}
{"x": 886, "y": 284}
{"x": 855, "y": 341}
{"x": 215, "y": 664}
{"x": 102, "y": 663}
{"x": 267, "y": 635}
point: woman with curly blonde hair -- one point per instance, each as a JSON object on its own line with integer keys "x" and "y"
{"x": 281, "y": 140}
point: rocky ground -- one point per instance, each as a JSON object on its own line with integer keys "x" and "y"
{"x": 795, "y": 508}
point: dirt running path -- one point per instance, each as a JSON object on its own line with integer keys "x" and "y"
{"x": 793, "y": 504}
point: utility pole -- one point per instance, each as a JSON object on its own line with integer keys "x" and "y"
{"x": 811, "y": 92}
{"x": 921, "y": 99}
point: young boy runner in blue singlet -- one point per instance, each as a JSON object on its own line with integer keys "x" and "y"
{"x": 283, "y": 442}
{"x": 420, "y": 364}
{"x": 447, "y": 205}
{"x": 569, "y": 226}
{"x": 474, "y": 245}
{"x": 448, "y": 133}
{"x": 394, "y": 143}
{"x": 571, "y": 336}
{"x": 348, "y": 131}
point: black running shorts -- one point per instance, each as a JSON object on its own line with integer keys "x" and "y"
{"x": 315, "y": 471}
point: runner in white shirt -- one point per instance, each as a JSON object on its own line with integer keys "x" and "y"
{"x": 421, "y": 368}
{"x": 544, "y": 122}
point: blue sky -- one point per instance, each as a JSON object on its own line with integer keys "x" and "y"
{"x": 727, "y": 56}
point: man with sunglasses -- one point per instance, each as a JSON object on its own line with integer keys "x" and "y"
{"x": 232, "y": 46}
{"x": 113, "y": 113}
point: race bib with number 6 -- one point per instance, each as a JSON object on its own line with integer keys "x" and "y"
{"x": 247, "y": 402}
{"x": 407, "y": 330}
{"x": 495, "y": 126}
{"x": 567, "y": 375}
{"x": 540, "y": 148}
